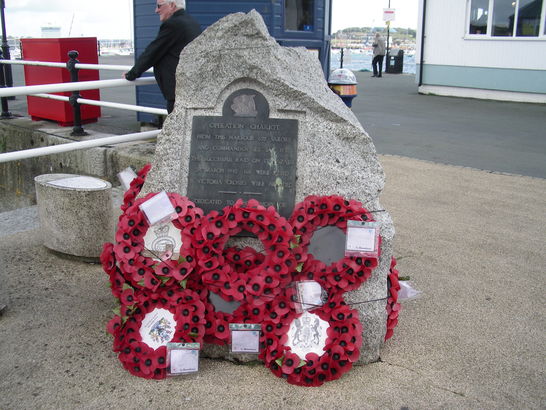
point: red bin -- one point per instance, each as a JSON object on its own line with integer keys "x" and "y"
{"x": 56, "y": 50}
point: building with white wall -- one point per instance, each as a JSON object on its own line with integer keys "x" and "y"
{"x": 492, "y": 49}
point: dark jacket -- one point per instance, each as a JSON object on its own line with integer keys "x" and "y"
{"x": 164, "y": 51}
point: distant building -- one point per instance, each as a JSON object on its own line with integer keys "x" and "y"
{"x": 491, "y": 49}
{"x": 51, "y": 31}
{"x": 297, "y": 23}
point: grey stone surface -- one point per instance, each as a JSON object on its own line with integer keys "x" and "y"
{"x": 474, "y": 340}
{"x": 19, "y": 220}
{"x": 74, "y": 221}
{"x": 335, "y": 154}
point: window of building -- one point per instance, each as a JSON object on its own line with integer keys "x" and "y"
{"x": 506, "y": 18}
{"x": 528, "y": 18}
{"x": 479, "y": 11}
{"x": 299, "y": 15}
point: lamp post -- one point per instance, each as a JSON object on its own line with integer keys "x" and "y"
{"x": 388, "y": 31}
{"x": 5, "y": 47}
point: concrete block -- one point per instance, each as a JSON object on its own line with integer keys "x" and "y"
{"x": 75, "y": 213}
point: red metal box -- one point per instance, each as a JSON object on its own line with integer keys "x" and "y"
{"x": 56, "y": 50}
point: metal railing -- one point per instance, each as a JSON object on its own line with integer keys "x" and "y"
{"x": 75, "y": 86}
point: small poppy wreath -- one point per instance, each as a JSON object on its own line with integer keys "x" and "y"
{"x": 135, "y": 354}
{"x": 135, "y": 187}
{"x": 222, "y": 277}
{"x": 146, "y": 272}
{"x": 393, "y": 306}
{"x": 314, "y": 212}
{"x": 341, "y": 350}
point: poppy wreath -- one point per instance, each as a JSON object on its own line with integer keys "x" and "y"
{"x": 217, "y": 322}
{"x": 261, "y": 282}
{"x": 315, "y": 212}
{"x": 145, "y": 272}
{"x": 135, "y": 187}
{"x": 141, "y": 359}
{"x": 393, "y": 306}
{"x": 341, "y": 350}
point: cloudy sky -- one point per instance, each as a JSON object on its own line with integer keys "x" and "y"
{"x": 113, "y": 18}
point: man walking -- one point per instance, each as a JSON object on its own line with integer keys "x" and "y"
{"x": 378, "y": 54}
{"x": 177, "y": 30}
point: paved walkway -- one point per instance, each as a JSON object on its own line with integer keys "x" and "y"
{"x": 470, "y": 240}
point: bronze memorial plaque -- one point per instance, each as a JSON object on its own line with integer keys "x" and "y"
{"x": 243, "y": 154}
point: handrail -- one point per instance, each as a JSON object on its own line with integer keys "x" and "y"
{"x": 73, "y": 146}
{"x": 129, "y": 107}
{"x": 80, "y": 66}
{"x": 77, "y": 86}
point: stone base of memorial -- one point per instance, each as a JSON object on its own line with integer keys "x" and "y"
{"x": 75, "y": 213}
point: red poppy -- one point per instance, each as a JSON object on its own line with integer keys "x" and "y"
{"x": 114, "y": 325}
{"x": 127, "y": 297}
{"x": 221, "y": 330}
{"x": 290, "y": 362}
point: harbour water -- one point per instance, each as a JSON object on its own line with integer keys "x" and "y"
{"x": 357, "y": 61}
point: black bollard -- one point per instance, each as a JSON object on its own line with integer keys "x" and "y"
{"x": 6, "y": 115}
{"x": 77, "y": 130}
{"x": 8, "y": 79}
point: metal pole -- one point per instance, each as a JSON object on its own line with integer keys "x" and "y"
{"x": 422, "y": 48}
{"x": 341, "y": 59}
{"x": 82, "y": 85}
{"x": 6, "y": 115}
{"x": 77, "y": 130}
{"x": 388, "y": 31}
{"x": 5, "y": 46}
{"x": 73, "y": 146}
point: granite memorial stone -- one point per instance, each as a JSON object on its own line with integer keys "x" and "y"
{"x": 235, "y": 76}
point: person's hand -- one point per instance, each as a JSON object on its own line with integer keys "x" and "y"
{"x": 123, "y": 75}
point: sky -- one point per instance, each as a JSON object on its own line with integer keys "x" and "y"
{"x": 112, "y": 19}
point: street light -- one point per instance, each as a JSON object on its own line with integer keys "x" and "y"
{"x": 388, "y": 31}
{"x": 6, "y": 79}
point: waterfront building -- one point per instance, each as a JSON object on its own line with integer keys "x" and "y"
{"x": 491, "y": 49}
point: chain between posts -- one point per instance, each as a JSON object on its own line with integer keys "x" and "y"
{"x": 77, "y": 130}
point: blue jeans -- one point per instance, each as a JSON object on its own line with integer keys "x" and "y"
{"x": 377, "y": 60}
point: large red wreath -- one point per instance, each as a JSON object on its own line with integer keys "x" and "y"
{"x": 217, "y": 322}
{"x": 243, "y": 275}
{"x": 138, "y": 357}
{"x": 314, "y": 212}
{"x": 340, "y": 351}
{"x": 146, "y": 272}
